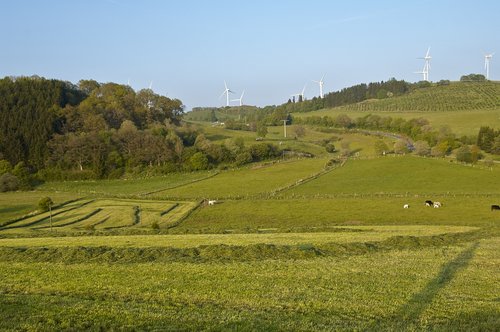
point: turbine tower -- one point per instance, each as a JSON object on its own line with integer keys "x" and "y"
{"x": 300, "y": 94}
{"x": 321, "y": 83}
{"x": 427, "y": 65}
{"x": 226, "y": 92}
{"x": 487, "y": 59}
{"x": 240, "y": 99}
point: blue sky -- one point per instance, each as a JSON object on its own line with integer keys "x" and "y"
{"x": 270, "y": 49}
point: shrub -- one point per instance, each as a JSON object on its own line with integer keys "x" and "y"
{"x": 45, "y": 203}
{"x": 8, "y": 182}
{"x": 330, "y": 148}
{"x": 401, "y": 147}
{"x": 198, "y": 161}
{"x": 381, "y": 148}
{"x": 464, "y": 154}
{"x": 243, "y": 158}
{"x": 473, "y": 78}
{"x": 422, "y": 148}
{"x": 5, "y": 167}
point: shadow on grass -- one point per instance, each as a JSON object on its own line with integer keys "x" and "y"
{"x": 408, "y": 316}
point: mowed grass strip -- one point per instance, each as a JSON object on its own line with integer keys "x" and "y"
{"x": 260, "y": 179}
{"x": 402, "y": 175}
{"x": 334, "y": 235}
{"x": 101, "y": 214}
{"x": 349, "y": 293}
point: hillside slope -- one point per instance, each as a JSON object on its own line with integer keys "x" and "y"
{"x": 453, "y": 97}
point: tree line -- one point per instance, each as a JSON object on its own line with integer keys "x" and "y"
{"x": 51, "y": 129}
{"x": 426, "y": 139}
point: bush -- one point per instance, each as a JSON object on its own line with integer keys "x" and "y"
{"x": 198, "y": 161}
{"x": 422, "y": 148}
{"x": 8, "y": 182}
{"x": 263, "y": 151}
{"x": 243, "y": 158}
{"x": 401, "y": 147}
{"x": 5, "y": 167}
{"x": 330, "y": 148}
{"x": 473, "y": 78}
{"x": 45, "y": 203}
{"x": 381, "y": 148}
{"x": 464, "y": 154}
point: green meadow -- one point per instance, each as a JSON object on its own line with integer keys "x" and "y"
{"x": 289, "y": 245}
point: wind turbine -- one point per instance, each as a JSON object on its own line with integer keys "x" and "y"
{"x": 240, "y": 99}
{"x": 321, "y": 83}
{"x": 487, "y": 59}
{"x": 301, "y": 94}
{"x": 226, "y": 92}
{"x": 427, "y": 65}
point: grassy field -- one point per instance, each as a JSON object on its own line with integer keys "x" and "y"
{"x": 445, "y": 288}
{"x": 256, "y": 180}
{"x": 289, "y": 246}
{"x": 403, "y": 175}
{"x": 125, "y": 187}
{"x": 17, "y": 204}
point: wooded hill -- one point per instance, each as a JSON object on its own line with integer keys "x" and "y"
{"x": 54, "y": 123}
{"x": 90, "y": 130}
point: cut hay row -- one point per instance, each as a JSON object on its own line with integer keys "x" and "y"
{"x": 91, "y": 214}
{"x": 47, "y": 216}
{"x": 169, "y": 209}
{"x": 37, "y": 213}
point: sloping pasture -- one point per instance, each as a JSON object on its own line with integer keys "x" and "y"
{"x": 256, "y": 180}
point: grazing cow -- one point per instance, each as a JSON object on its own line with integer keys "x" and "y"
{"x": 429, "y": 203}
{"x": 437, "y": 205}
{"x": 495, "y": 207}
{"x": 406, "y": 206}
{"x": 212, "y": 202}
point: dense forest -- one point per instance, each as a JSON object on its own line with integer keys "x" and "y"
{"x": 52, "y": 129}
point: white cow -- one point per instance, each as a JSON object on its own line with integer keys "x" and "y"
{"x": 437, "y": 205}
{"x": 212, "y": 202}
{"x": 406, "y": 206}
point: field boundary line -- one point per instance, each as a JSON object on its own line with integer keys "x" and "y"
{"x": 169, "y": 209}
{"x": 178, "y": 185}
{"x": 307, "y": 179}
